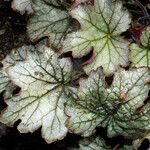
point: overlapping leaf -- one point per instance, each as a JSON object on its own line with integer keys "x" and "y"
{"x": 119, "y": 108}
{"x": 140, "y": 54}
{"x": 101, "y": 26}
{"x": 42, "y": 77}
{"x": 49, "y": 20}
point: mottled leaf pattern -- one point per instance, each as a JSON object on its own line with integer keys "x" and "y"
{"x": 49, "y": 20}
{"x": 101, "y": 26}
{"x": 140, "y": 54}
{"x": 42, "y": 78}
{"x": 40, "y": 86}
{"x": 119, "y": 108}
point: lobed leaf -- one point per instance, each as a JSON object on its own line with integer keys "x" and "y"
{"x": 120, "y": 108}
{"x": 101, "y": 26}
{"x": 43, "y": 79}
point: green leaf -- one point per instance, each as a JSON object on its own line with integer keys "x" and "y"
{"x": 43, "y": 79}
{"x": 101, "y": 26}
{"x": 49, "y": 20}
{"x": 22, "y": 6}
{"x": 140, "y": 54}
{"x": 92, "y": 143}
{"x": 119, "y": 108}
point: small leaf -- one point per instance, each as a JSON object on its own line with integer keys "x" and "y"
{"x": 101, "y": 26}
{"x": 115, "y": 108}
{"x": 22, "y": 6}
{"x": 43, "y": 79}
{"x": 92, "y": 143}
{"x": 140, "y": 55}
{"x": 49, "y": 20}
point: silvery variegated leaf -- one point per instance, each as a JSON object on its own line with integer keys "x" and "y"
{"x": 43, "y": 79}
{"x": 49, "y": 20}
{"x": 101, "y": 26}
{"x": 120, "y": 108}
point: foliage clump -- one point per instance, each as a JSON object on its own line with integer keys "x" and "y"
{"x": 80, "y": 71}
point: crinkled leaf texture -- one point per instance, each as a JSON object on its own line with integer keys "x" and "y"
{"x": 92, "y": 143}
{"x": 43, "y": 79}
{"x": 49, "y": 20}
{"x": 22, "y": 6}
{"x": 140, "y": 54}
{"x": 101, "y": 26}
{"x": 119, "y": 108}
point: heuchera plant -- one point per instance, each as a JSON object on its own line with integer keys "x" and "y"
{"x": 54, "y": 95}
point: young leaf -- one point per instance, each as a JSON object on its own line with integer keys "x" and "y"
{"x": 49, "y": 20}
{"x": 22, "y": 6}
{"x": 92, "y": 143}
{"x": 101, "y": 26}
{"x": 43, "y": 79}
{"x": 119, "y": 108}
{"x": 140, "y": 55}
